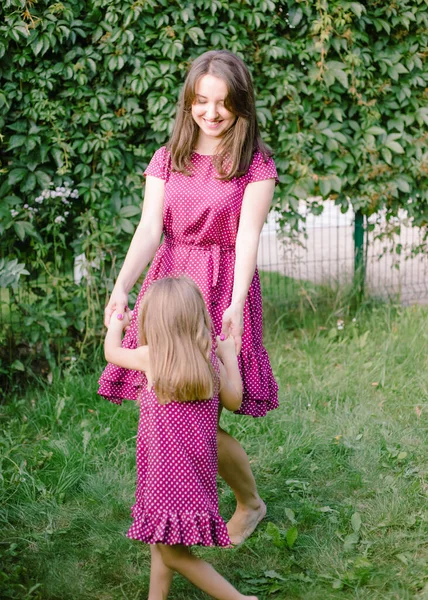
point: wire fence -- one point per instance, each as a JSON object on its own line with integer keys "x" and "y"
{"x": 323, "y": 254}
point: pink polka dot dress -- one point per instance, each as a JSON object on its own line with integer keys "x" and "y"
{"x": 200, "y": 224}
{"x": 176, "y": 500}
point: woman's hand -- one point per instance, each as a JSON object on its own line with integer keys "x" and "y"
{"x": 233, "y": 324}
{"x": 118, "y": 302}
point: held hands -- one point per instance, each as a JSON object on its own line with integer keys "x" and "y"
{"x": 121, "y": 320}
{"x": 225, "y": 348}
{"x": 118, "y": 303}
{"x": 233, "y": 324}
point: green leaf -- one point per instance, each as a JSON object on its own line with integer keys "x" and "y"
{"x": 350, "y": 542}
{"x": 16, "y": 141}
{"x": 357, "y": 8}
{"x": 342, "y": 77}
{"x": 290, "y": 514}
{"x": 17, "y": 365}
{"x": 395, "y": 147}
{"x": 387, "y": 155}
{"x": 20, "y": 229}
{"x": 295, "y": 15}
{"x": 17, "y": 175}
{"x": 291, "y": 536}
{"x": 130, "y": 211}
{"x": 403, "y": 185}
{"x": 43, "y": 179}
{"x": 274, "y": 533}
{"x": 274, "y": 575}
{"x": 325, "y": 187}
{"x": 37, "y": 46}
{"x": 335, "y": 182}
{"x": 374, "y": 130}
{"x": 356, "y": 522}
{"x": 127, "y": 226}
{"x": 30, "y": 183}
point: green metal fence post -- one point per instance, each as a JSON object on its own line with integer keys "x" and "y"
{"x": 359, "y": 254}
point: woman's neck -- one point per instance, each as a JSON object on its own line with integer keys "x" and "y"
{"x": 206, "y": 145}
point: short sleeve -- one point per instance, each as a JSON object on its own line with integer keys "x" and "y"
{"x": 261, "y": 169}
{"x": 160, "y": 165}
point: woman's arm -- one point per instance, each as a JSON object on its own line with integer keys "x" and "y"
{"x": 142, "y": 248}
{"x": 137, "y": 359}
{"x": 255, "y": 207}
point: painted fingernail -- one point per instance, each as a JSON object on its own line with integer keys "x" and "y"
{"x": 119, "y": 316}
{"x": 222, "y": 337}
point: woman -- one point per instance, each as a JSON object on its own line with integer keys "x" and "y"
{"x": 209, "y": 192}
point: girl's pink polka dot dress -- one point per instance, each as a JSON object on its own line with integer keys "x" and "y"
{"x": 176, "y": 501}
{"x": 200, "y": 225}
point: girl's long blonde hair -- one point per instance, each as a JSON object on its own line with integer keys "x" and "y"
{"x": 175, "y": 325}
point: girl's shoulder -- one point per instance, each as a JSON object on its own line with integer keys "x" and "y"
{"x": 160, "y": 164}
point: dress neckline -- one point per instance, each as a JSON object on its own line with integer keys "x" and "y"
{"x": 207, "y": 155}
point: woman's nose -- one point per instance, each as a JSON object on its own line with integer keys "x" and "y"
{"x": 211, "y": 111}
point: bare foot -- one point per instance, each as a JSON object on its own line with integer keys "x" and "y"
{"x": 243, "y": 523}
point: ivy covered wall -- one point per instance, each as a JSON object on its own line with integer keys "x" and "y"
{"x": 88, "y": 92}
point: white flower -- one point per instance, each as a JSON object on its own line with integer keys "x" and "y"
{"x": 46, "y": 193}
{"x": 14, "y": 212}
{"x": 354, "y": 320}
{"x": 75, "y": 194}
{"x": 25, "y": 205}
{"x": 65, "y": 201}
{"x": 340, "y": 324}
{"x": 39, "y": 199}
{"x": 59, "y": 219}
{"x": 66, "y": 213}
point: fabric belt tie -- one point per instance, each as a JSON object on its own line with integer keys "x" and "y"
{"x": 214, "y": 249}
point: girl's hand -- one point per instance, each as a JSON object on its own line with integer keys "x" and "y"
{"x": 121, "y": 320}
{"x": 225, "y": 348}
{"x": 118, "y": 302}
{"x": 233, "y": 324}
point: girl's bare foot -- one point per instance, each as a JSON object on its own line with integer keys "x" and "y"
{"x": 243, "y": 523}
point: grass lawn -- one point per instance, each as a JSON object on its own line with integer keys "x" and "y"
{"x": 341, "y": 466}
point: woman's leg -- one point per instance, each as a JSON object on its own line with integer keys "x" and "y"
{"x": 160, "y": 576}
{"x": 234, "y": 468}
{"x": 200, "y": 573}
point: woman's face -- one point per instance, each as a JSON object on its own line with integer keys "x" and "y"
{"x": 208, "y": 109}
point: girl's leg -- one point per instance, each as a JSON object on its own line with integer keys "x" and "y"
{"x": 200, "y": 573}
{"x": 234, "y": 468}
{"x": 160, "y": 576}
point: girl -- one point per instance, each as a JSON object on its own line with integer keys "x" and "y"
{"x": 209, "y": 192}
{"x": 176, "y": 499}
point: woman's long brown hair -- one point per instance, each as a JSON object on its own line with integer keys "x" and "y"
{"x": 175, "y": 325}
{"x": 235, "y": 152}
